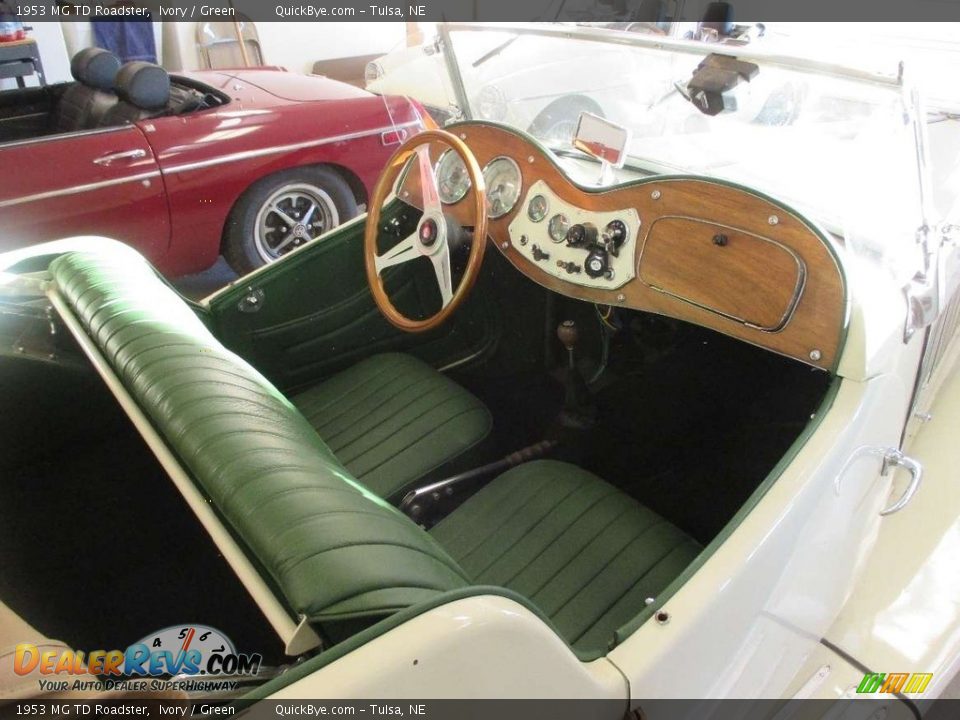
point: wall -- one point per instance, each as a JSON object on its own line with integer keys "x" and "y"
{"x": 293, "y": 45}
{"x": 53, "y": 54}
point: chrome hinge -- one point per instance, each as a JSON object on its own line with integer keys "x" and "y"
{"x": 931, "y": 289}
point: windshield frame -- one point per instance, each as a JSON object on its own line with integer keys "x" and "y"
{"x": 898, "y": 81}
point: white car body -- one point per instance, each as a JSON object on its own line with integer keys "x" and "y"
{"x": 808, "y": 586}
{"x": 812, "y": 578}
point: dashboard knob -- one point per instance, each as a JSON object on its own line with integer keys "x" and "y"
{"x": 582, "y": 235}
{"x": 614, "y": 235}
{"x": 597, "y": 263}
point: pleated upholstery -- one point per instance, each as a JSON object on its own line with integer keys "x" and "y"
{"x": 392, "y": 419}
{"x": 583, "y": 552}
{"x": 335, "y": 550}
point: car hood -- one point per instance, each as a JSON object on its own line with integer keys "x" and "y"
{"x": 295, "y": 87}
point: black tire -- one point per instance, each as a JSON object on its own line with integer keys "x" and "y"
{"x": 258, "y": 230}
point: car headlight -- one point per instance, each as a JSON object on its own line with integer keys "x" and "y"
{"x": 492, "y": 103}
{"x": 373, "y": 71}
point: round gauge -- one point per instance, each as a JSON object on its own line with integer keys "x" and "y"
{"x": 537, "y": 208}
{"x": 558, "y": 227}
{"x": 503, "y": 181}
{"x": 453, "y": 180}
{"x": 201, "y": 639}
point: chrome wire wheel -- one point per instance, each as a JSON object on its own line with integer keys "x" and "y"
{"x": 290, "y": 217}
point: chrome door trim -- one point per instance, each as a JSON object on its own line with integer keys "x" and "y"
{"x": 277, "y": 149}
{"x": 65, "y": 136}
{"x": 77, "y": 189}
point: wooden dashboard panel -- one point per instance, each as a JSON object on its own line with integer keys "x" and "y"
{"x": 773, "y": 280}
{"x": 715, "y": 266}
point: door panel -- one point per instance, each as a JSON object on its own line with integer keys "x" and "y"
{"x": 90, "y": 183}
{"x": 315, "y": 314}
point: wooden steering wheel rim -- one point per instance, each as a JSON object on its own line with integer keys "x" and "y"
{"x": 381, "y": 192}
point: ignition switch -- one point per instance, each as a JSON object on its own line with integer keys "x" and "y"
{"x": 597, "y": 263}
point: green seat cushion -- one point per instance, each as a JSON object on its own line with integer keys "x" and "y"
{"x": 392, "y": 420}
{"x": 334, "y": 549}
{"x": 586, "y": 554}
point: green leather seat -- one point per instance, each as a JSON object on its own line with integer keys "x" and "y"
{"x": 392, "y": 420}
{"x": 586, "y": 554}
{"x": 336, "y": 551}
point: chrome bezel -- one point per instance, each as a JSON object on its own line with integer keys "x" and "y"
{"x": 516, "y": 169}
{"x": 566, "y": 222}
{"x": 546, "y": 208}
{"x": 450, "y": 200}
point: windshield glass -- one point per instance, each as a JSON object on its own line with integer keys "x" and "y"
{"x": 840, "y": 149}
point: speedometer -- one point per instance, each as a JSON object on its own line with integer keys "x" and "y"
{"x": 503, "y": 181}
{"x": 453, "y": 180}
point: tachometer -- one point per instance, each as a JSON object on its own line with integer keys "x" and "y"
{"x": 503, "y": 181}
{"x": 453, "y": 180}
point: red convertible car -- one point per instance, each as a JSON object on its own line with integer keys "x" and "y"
{"x": 247, "y": 163}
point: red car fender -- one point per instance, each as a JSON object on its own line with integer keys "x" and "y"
{"x": 210, "y": 158}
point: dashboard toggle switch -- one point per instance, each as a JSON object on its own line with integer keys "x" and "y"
{"x": 539, "y": 254}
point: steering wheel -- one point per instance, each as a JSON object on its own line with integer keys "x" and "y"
{"x": 431, "y": 238}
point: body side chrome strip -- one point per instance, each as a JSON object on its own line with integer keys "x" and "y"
{"x": 277, "y": 149}
{"x": 77, "y": 189}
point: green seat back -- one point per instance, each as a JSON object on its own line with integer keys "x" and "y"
{"x": 336, "y": 551}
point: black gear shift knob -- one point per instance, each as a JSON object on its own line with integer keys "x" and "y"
{"x": 568, "y": 334}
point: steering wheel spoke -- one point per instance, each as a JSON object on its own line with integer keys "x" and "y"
{"x": 432, "y": 235}
{"x": 441, "y": 268}
{"x": 404, "y": 251}
{"x": 428, "y": 182}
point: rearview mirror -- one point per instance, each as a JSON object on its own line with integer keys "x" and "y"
{"x": 602, "y": 139}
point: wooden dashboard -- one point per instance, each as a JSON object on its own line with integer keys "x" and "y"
{"x": 694, "y": 249}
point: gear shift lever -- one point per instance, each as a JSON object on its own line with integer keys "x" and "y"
{"x": 577, "y": 411}
{"x": 569, "y": 337}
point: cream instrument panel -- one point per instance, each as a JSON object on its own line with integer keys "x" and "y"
{"x": 593, "y": 249}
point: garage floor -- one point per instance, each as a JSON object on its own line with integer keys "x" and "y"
{"x": 201, "y": 284}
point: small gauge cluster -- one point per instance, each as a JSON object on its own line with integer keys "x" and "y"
{"x": 501, "y": 176}
{"x": 582, "y": 246}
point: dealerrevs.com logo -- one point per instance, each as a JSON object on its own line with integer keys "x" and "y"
{"x": 190, "y": 654}
{"x": 906, "y": 683}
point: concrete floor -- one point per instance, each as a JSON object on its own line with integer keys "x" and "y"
{"x": 201, "y": 284}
